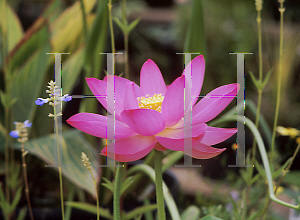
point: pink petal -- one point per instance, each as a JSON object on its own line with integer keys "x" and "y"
{"x": 146, "y": 122}
{"x": 173, "y": 104}
{"x": 177, "y": 144}
{"x": 96, "y": 125}
{"x": 130, "y": 101}
{"x": 151, "y": 81}
{"x": 197, "y": 68}
{"x": 178, "y": 133}
{"x": 203, "y": 151}
{"x": 99, "y": 88}
{"x": 159, "y": 147}
{"x": 214, "y": 103}
{"x": 131, "y": 148}
{"x": 214, "y": 135}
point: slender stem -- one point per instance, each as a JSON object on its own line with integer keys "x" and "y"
{"x": 117, "y": 190}
{"x": 279, "y": 182}
{"x": 126, "y": 38}
{"x": 259, "y": 89}
{"x": 146, "y": 169}
{"x": 7, "y": 193}
{"x": 264, "y": 157}
{"x": 26, "y": 181}
{"x": 84, "y": 20}
{"x": 96, "y": 188}
{"x": 111, "y": 27}
{"x": 158, "y": 184}
{"x": 59, "y": 170}
{"x": 281, "y": 10}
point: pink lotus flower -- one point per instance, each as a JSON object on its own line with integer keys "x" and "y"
{"x": 151, "y": 116}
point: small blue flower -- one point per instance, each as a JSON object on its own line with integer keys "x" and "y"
{"x": 66, "y": 98}
{"x": 27, "y": 124}
{"x": 14, "y": 134}
{"x": 41, "y": 101}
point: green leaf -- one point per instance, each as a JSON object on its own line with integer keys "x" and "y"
{"x": 71, "y": 69}
{"x": 266, "y": 80}
{"x": 140, "y": 210}
{"x": 132, "y": 25}
{"x": 281, "y": 169}
{"x": 36, "y": 37}
{"x": 6, "y": 101}
{"x": 28, "y": 83}
{"x": 255, "y": 178}
{"x": 73, "y": 143}
{"x": 260, "y": 169}
{"x": 127, "y": 183}
{"x": 195, "y": 40}
{"x": 97, "y": 41}
{"x": 210, "y": 217}
{"x": 67, "y": 27}
{"x": 191, "y": 213}
{"x": 254, "y": 216}
{"x": 108, "y": 184}
{"x": 16, "y": 199}
{"x": 292, "y": 177}
{"x": 10, "y": 25}
{"x": 120, "y": 24}
{"x": 254, "y": 80}
{"x": 90, "y": 208}
{"x": 22, "y": 214}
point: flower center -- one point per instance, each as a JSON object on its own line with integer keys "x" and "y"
{"x": 152, "y": 102}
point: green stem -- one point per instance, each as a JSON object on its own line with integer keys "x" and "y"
{"x": 59, "y": 170}
{"x": 166, "y": 193}
{"x": 158, "y": 185}
{"x": 7, "y": 193}
{"x": 111, "y": 27}
{"x": 250, "y": 174}
{"x": 26, "y": 182}
{"x": 281, "y": 10}
{"x": 117, "y": 190}
{"x": 264, "y": 156}
{"x": 96, "y": 188}
{"x": 279, "y": 182}
{"x": 126, "y": 38}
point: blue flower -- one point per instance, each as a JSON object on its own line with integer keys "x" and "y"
{"x": 14, "y": 134}
{"x": 66, "y": 98}
{"x": 41, "y": 101}
{"x": 27, "y": 124}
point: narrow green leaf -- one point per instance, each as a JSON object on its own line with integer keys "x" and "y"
{"x": 195, "y": 41}
{"x": 260, "y": 169}
{"x": 292, "y": 177}
{"x": 22, "y": 214}
{"x": 210, "y": 217}
{"x": 127, "y": 183}
{"x": 254, "y": 80}
{"x": 90, "y": 208}
{"x": 191, "y": 213}
{"x": 120, "y": 24}
{"x": 254, "y": 216}
{"x": 140, "y": 210}
{"x": 281, "y": 169}
{"x": 132, "y": 25}
{"x": 266, "y": 80}
{"x": 255, "y": 178}
{"x": 108, "y": 187}
{"x": 16, "y": 199}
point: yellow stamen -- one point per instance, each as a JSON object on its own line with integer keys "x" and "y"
{"x": 153, "y": 102}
